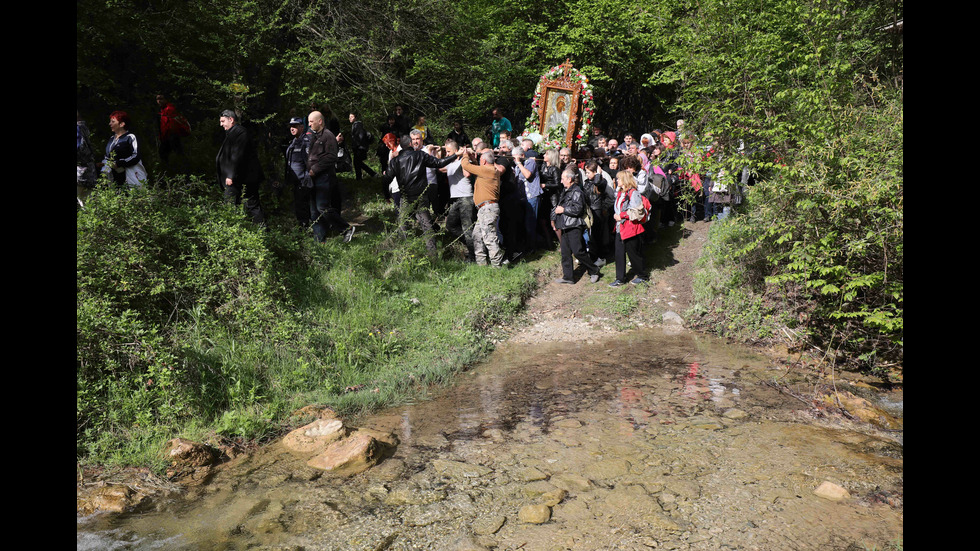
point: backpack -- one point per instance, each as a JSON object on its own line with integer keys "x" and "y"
{"x": 660, "y": 182}
{"x": 637, "y": 217}
{"x": 343, "y": 160}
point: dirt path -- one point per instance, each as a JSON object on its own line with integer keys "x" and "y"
{"x": 586, "y": 311}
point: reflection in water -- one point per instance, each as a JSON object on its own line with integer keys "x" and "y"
{"x": 406, "y": 426}
{"x": 626, "y": 406}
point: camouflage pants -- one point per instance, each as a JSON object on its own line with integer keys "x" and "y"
{"x": 485, "y": 236}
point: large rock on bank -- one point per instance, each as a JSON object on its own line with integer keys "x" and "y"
{"x": 190, "y": 462}
{"x": 316, "y": 436}
{"x": 355, "y": 453}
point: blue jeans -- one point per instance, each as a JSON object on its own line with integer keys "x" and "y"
{"x": 531, "y": 223}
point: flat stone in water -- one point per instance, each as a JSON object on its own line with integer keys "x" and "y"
{"x": 534, "y": 514}
{"x": 568, "y": 424}
{"x": 488, "y": 524}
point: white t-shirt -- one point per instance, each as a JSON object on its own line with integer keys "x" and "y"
{"x": 459, "y": 185}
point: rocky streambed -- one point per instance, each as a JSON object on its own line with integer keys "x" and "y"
{"x": 642, "y": 440}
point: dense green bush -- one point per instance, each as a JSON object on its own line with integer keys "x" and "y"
{"x": 190, "y": 320}
{"x": 810, "y": 96}
{"x": 150, "y": 262}
{"x": 819, "y": 246}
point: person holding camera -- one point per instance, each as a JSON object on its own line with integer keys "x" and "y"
{"x": 526, "y": 171}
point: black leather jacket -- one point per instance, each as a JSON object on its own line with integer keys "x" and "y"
{"x": 573, "y": 199}
{"x": 409, "y": 167}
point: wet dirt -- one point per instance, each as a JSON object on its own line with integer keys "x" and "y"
{"x": 643, "y": 441}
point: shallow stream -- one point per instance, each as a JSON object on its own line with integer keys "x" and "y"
{"x": 645, "y": 441}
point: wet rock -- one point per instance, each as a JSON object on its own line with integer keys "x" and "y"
{"x": 609, "y": 468}
{"x": 354, "y": 454}
{"x": 458, "y": 470}
{"x": 704, "y": 423}
{"x": 113, "y": 498}
{"x": 862, "y": 409}
{"x": 568, "y": 424}
{"x": 534, "y": 514}
{"x": 571, "y": 482}
{"x": 426, "y": 515}
{"x": 462, "y": 543}
{"x": 389, "y": 470}
{"x": 529, "y": 474}
{"x": 488, "y": 525}
{"x": 191, "y": 463}
{"x": 186, "y": 454}
{"x": 553, "y": 497}
{"x": 496, "y": 435}
{"x": 316, "y": 436}
{"x": 735, "y": 413}
{"x": 687, "y": 489}
{"x": 378, "y": 492}
{"x": 831, "y": 491}
{"x": 437, "y": 440}
{"x": 411, "y": 494}
{"x": 537, "y": 489}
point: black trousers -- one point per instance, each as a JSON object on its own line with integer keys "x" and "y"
{"x": 250, "y": 192}
{"x": 324, "y": 207}
{"x": 359, "y": 164}
{"x": 573, "y": 245}
{"x": 630, "y": 247}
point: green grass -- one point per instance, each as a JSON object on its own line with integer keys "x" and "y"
{"x": 192, "y": 322}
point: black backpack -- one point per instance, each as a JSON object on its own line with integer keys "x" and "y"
{"x": 663, "y": 183}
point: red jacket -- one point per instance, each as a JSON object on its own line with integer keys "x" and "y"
{"x": 168, "y": 123}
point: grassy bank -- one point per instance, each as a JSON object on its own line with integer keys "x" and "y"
{"x": 192, "y": 322}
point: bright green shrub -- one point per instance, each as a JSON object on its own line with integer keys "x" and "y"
{"x": 190, "y": 319}
{"x": 151, "y": 266}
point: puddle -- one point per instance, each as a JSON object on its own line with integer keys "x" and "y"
{"x": 652, "y": 441}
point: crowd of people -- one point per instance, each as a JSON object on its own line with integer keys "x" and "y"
{"x": 605, "y": 203}
{"x": 501, "y": 197}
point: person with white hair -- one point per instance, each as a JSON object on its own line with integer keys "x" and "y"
{"x": 569, "y": 217}
{"x": 486, "y": 196}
